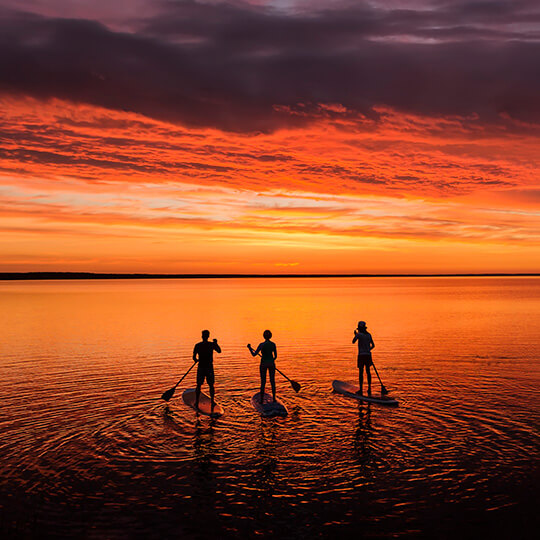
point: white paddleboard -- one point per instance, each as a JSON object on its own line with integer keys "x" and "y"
{"x": 350, "y": 390}
{"x": 268, "y": 407}
{"x": 205, "y": 403}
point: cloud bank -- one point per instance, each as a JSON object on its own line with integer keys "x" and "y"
{"x": 241, "y": 67}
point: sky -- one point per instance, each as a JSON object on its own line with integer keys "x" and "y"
{"x": 270, "y": 136}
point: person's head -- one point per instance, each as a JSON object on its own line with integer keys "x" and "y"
{"x": 205, "y": 334}
{"x": 362, "y": 326}
{"x": 267, "y": 334}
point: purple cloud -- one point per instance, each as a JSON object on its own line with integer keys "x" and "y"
{"x": 242, "y": 67}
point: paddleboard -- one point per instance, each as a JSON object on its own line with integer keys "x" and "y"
{"x": 268, "y": 407}
{"x": 350, "y": 390}
{"x": 205, "y": 403}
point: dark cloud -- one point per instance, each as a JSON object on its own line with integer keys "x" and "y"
{"x": 245, "y": 68}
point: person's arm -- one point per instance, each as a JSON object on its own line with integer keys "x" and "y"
{"x": 195, "y": 354}
{"x": 274, "y": 351}
{"x": 354, "y": 339}
{"x": 371, "y": 344}
{"x": 217, "y": 348}
{"x": 254, "y": 352}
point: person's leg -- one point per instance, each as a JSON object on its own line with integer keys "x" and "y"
{"x": 200, "y": 380}
{"x": 368, "y": 373}
{"x": 272, "y": 373}
{"x": 360, "y": 374}
{"x": 262, "y": 371}
{"x": 210, "y": 380}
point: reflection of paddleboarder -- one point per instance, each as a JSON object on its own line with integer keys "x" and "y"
{"x": 363, "y": 433}
{"x": 203, "y": 353}
{"x": 268, "y": 352}
{"x": 365, "y": 344}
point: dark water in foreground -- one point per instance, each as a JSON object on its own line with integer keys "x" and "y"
{"x": 89, "y": 451}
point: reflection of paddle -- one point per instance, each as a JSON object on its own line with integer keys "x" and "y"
{"x": 384, "y": 391}
{"x": 170, "y": 393}
{"x": 294, "y": 384}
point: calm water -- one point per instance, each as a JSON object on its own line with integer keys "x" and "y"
{"x": 89, "y": 450}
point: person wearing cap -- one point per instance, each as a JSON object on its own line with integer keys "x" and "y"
{"x": 365, "y": 344}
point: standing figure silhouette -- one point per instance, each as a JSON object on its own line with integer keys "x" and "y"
{"x": 365, "y": 344}
{"x": 203, "y": 352}
{"x": 268, "y": 352}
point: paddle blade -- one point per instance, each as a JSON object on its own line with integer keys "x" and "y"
{"x": 168, "y": 394}
{"x": 296, "y": 386}
{"x": 384, "y": 391}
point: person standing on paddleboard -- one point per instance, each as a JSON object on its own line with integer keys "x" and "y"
{"x": 365, "y": 344}
{"x": 268, "y": 352}
{"x": 203, "y": 353}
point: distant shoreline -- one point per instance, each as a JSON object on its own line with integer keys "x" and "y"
{"x": 25, "y": 276}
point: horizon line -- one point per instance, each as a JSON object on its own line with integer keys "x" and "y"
{"x": 27, "y": 276}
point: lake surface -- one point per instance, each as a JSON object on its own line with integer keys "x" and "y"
{"x": 90, "y": 451}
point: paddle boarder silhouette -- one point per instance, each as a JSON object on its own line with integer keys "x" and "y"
{"x": 203, "y": 353}
{"x": 268, "y": 352}
{"x": 365, "y": 344}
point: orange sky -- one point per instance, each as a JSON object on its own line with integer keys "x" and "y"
{"x": 270, "y": 136}
{"x": 84, "y": 188}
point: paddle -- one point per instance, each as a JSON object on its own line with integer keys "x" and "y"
{"x": 296, "y": 386}
{"x": 170, "y": 393}
{"x": 384, "y": 391}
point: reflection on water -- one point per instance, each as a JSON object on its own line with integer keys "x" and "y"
{"x": 203, "y": 446}
{"x": 362, "y": 433}
{"x": 89, "y": 449}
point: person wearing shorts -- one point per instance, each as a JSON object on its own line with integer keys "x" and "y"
{"x": 365, "y": 344}
{"x": 268, "y": 352}
{"x": 203, "y": 353}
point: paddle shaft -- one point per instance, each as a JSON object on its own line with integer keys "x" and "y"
{"x": 294, "y": 384}
{"x": 185, "y": 375}
{"x": 259, "y": 354}
{"x": 378, "y": 377}
{"x": 283, "y": 374}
